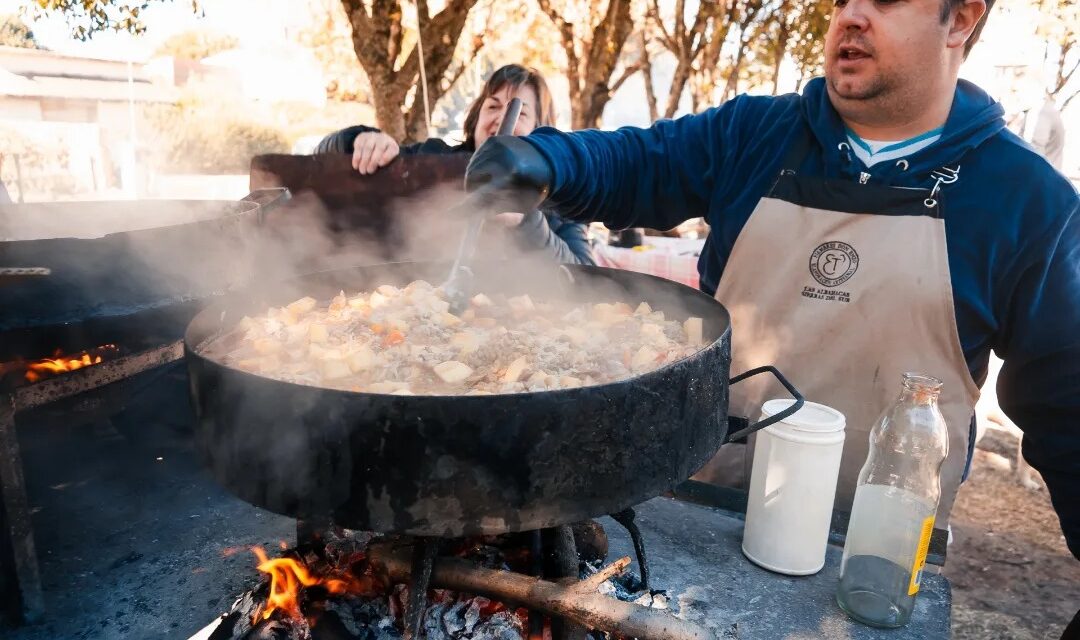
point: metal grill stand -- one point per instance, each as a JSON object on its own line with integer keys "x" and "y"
{"x": 21, "y": 598}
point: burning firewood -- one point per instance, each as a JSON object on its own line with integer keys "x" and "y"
{"x": 578, "y": 602}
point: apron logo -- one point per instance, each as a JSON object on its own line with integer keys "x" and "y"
{"x": 833, "y": 263}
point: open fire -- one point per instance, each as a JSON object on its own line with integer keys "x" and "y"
{"x": 351, "y": 586}
{"x": 288, "y": 575}
{"x": 61, "y": 363}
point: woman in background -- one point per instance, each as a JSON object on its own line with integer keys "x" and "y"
{"x": 536, "y": 231}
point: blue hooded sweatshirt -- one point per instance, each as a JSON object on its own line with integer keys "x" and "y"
{"x": 1012, "y": 225}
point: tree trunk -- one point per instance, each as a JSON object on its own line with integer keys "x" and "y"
{"x": 377, "y": 40}
{"x": 781, "y": 50}
{"x": 590, "y": 72}
{"x": 732, "y": 85}
{"x": 388, "y": 114}
{"x": 650, "y": 90}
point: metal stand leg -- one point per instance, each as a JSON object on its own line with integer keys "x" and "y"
{"x": 20, "y": 581}
{"x": 626, "y": 519}
{"x": 536, "y": 568}
{"x": 567, "y": 566}
{"x": 311, "y": 533}
{"x": 423, "y": 561}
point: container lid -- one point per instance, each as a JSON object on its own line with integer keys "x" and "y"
{"x": 812, "y": 417}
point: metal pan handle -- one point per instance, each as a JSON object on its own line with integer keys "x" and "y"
{"x": 745, "y": 427}
{"x": 267, "y": 199}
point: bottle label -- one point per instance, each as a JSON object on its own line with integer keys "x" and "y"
{"x": 920, "y": 556}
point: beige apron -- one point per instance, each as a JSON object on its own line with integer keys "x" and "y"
{"x": 844, "y": 287}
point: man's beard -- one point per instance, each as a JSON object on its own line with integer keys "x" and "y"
{"x": 870, "y": 90}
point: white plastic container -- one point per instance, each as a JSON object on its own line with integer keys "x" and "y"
{"x": 792, "y": 487}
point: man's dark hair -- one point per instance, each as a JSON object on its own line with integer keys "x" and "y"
{"x": 947, "y": 8}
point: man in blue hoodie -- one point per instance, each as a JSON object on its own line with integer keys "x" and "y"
{"x": 882, "y": 221}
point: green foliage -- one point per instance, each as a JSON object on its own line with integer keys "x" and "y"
{"x": 42, "y": 171}
{"x": 15, "y": 33}
{"x": 185, "y": 138}
{"x": 197, "y": 44}
{"x": 87, "y": 17}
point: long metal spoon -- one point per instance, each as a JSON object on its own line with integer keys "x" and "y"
{"x": 458, "y": 284}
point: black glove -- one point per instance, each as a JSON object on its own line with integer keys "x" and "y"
{"x": 508, "y": 174}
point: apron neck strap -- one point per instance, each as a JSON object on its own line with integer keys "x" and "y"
{"x": 799, "y": 147}
{"x": 803, "y": 142}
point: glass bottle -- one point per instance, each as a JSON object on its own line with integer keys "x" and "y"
{"x": 896, "y": 499}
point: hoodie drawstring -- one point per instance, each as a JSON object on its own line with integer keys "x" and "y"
{"x": 845, "y": 152}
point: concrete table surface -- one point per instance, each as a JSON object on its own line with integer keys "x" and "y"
{"x": 695, "y": 555}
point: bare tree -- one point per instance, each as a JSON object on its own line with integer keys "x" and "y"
{"x": 692, "y": 45}
{"x": 1061, "y": 29}
{"x": 378, "y": 39}
{"x": 646, "y": 70}
{"x": 737, "y": 23}
{"x": 593, "y": 44}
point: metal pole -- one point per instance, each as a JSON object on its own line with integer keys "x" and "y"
{"x": 423, "y": 69}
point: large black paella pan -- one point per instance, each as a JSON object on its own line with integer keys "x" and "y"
{"x": 462, "y": 465}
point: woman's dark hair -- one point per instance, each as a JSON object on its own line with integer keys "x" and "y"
{"x": 512, "y": 75}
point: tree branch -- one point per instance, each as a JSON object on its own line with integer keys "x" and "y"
{"x": 1064, "y": 105}
{"x": 665, "y": 37}
{"x": 626, "y": 74}
{"x": 1063, "y": 80}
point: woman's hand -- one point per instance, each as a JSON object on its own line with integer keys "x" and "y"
{"x": 510, "y": 220}
{"x": 372, "y": 150}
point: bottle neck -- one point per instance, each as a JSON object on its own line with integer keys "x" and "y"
{"x": 919, "y": 396}
{"x": 920, "y": 390}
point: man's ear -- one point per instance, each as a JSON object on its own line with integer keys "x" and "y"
{"x": 963, "y": 22}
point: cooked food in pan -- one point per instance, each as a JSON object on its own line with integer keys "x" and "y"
{"x": 406, "y": 341}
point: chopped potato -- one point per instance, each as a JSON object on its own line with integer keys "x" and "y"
{"x": 266, "y": 346}
{"x": 466, "y": 341}
{"x": 302, "y": 306}
{"x": 521, "y": 303}
{"x": 653, "y": 333}
{"x": 537, "y": 379}
{"x": 334, "y": 368}
{"x": 643, "y": 309}
{"x": 361, "y": 359}
{"x": 452, "y": 371}
{"x": 377, "y": 300}
{"x": 318, "y": 333}
{"x": 386, "y": 387}
{"x": 644, "y": 358}
{"x": 569, "y": 382}
{"x": 288, "y": 317}
{"x": 694, "y": 328}
{"x": 480, "y": 300}
{"x": 576, "y": 335}
{"x": 516, "y": 368}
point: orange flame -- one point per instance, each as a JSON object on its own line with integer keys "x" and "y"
{"x": 52, "y": 366}
{"x": 287, "y": 575}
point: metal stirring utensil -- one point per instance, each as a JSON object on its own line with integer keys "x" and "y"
{"x": 459, "y": 283}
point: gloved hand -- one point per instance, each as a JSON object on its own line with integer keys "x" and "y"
{"x": 508, "y": 174}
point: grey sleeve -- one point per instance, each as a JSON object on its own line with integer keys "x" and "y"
{"x": 567, "y": 243}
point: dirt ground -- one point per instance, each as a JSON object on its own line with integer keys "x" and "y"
{"x": 1012, "y": 576}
